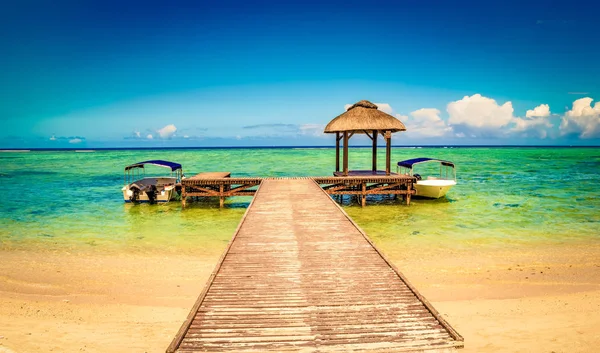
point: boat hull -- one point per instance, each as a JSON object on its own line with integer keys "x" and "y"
{"x": 433, "y": 189}
{"x": 145, "y": 190}
{"x": 143, "y": 197}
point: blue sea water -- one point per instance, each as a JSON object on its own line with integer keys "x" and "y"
{"x": 70, "y": 201}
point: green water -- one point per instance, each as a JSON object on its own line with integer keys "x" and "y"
{"x": 68, "y": 201}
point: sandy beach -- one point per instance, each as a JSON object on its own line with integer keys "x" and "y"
{"x": 90, "y": 302}
{"x": 534, "y": 299}
{"x": 528, "y": 298}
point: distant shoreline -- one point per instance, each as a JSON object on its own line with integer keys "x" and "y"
{"x": 273, "y": 147}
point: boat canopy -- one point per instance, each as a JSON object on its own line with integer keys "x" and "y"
{"x": 410, "y": 162}
{"x": 157, "y": 162}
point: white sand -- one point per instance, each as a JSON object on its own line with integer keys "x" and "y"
{"x": 91, "y": 302}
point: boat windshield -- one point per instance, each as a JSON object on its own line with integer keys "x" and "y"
{"x": 428, "y": 168}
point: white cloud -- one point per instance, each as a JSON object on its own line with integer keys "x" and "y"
{"x": 312, "y": 130}
{"x": 69, "y": 139}
{"x": 137, "y": 134}
{"x": 535, "y": 124}
{"x": 149, "y": 137}
{"x": 542, "y": 110}
{"x": 167, "y": 131}
{"x": 384, "y": 107}
{"x": 478, "y": 115}
{"x": 583, "y": 107}
{"x": 582, "y": 119}
{"x": 425, "y": 122}
{"x": 532, "y": 126}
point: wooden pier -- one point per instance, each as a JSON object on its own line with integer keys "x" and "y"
{"x": 300, "y": 275}
{"x": 222, "y": 185}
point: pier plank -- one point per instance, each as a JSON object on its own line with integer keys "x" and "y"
{"x": 300, "y": 275}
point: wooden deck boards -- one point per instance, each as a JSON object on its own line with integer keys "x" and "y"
{"x": 211, "y": 175}
{"x": 299, "y": 275}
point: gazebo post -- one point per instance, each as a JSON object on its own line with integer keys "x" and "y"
{"x": 337, "y": 151}
{"x": 345, "y": 153}
{"x": 388, "y": 151}
{"x": 375, "y": 150}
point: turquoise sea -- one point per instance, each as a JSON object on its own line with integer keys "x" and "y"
{"x": 70, "y": 201}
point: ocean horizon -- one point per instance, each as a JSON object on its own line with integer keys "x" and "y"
{"x": 2, "y": 149}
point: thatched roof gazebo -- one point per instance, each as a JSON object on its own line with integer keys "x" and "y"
{"x": 364, "y": 118}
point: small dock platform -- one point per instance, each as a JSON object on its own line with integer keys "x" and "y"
{"x": 217, "y": 184}
{"x": 367, "y": 183}
{"x": 300, "y": 275}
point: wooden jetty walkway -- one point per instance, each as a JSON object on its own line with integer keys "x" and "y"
{"x": 299, "y": 275}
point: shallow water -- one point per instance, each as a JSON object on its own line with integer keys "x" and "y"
{"x": 68, "y": 201}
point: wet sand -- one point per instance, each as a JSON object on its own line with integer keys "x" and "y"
{"x": 522, "y": 299}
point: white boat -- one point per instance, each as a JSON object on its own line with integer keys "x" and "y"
{"x": 432, "y": 187}
{"x": 140, "y": 188}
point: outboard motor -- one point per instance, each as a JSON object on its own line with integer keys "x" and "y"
{"x": 135, "y": 194}
{"x": 151, "y": 194}
{"x": 417, "y": 176}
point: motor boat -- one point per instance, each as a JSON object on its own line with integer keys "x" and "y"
{"x": 141, "y": 188}
{"x": 432, "y": 187}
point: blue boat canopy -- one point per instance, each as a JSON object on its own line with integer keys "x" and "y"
{"x": 158, "y": 162}
{"x": 410, "y": 162}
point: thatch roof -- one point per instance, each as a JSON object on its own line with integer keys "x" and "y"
{"x": 362, "y": 116}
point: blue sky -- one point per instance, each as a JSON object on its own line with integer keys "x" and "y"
{"x": 226, "y": 73}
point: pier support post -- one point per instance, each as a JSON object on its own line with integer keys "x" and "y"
{"x": 183, "y": 196}
{"x": 409, "y": 193}
{"x": 375, "y": 133}
{"x": 363, "y": 200}
{"x": 337, "y": 151}
{"x": 345, "y": 153}
{"x": 388, "y": 151}
{"x": 221, "y": 196}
